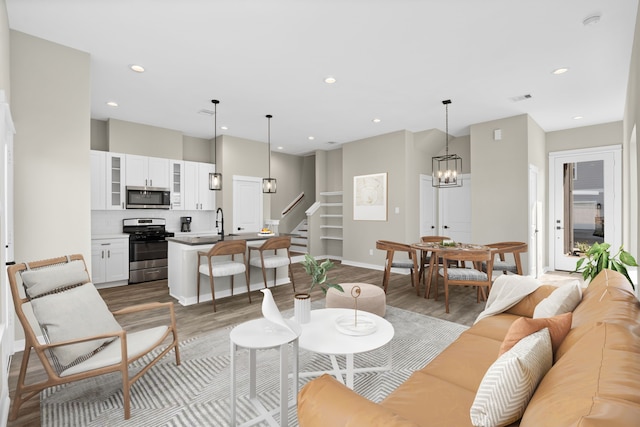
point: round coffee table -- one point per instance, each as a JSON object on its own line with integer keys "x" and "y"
{"x": 321, "y": 336}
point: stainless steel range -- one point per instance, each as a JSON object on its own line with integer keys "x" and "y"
{"x": 147, "y": 248}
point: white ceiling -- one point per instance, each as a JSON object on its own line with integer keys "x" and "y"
{"x": 395, "y": 60}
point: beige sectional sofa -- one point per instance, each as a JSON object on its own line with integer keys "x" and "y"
{"x": 594, "y": 379}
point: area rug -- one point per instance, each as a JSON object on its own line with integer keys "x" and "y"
{"x": 196, "y": 393}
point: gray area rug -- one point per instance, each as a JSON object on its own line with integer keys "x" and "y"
{"x": 196, "y": 393}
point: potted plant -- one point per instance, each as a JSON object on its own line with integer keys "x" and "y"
{"x": 598, "y": 257}
{"x": 318, "y": 272}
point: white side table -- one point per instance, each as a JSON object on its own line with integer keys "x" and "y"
{"x": 260, "y": 334}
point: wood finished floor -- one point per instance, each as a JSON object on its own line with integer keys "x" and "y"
{"x": 199, "y": 319}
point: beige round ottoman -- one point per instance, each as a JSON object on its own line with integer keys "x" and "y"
{"x": 372, "y": 298}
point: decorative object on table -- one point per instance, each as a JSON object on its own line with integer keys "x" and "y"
{"x": 302, "y": 307}
{"x": 372, "y": 298}
{"x": 448, "y": 243}
{"x": 598, "y": 258}
{"x": 271, "y": 312}
{"x": 269, "y": 184}
{"x": 355, "y": 293}
{"x": 447, "y": 169}
{"x": 265, "y": 232}
{"x": 370, "y": 197}
{"x": 318, "y": 273}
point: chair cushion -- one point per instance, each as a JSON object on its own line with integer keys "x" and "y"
{"x": 400, "y": 264}
{"x": 43, "y": 280}
{"x": 223, "y": 268}
{"x": 138, "y": 343}
{"x": 563, "y": 300}
{"x": 501, "y": 266}
{"x": 270, "y": 261}
{"x": 465, "y": 274}
{"x": 509, "y": 383}
{"x": 76, "y": 313}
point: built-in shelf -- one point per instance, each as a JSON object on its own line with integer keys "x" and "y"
{"x": 332, "y": 206}
{"x": 331, "y": 226}
{"x": 330, "y": 238}
{"x": 331, "y": 216}
{"x": 331, "y": 193}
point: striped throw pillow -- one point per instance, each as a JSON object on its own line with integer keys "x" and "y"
{"x": 509, "y": 383}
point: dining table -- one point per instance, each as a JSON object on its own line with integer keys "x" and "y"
{"x": 434, "y": 251}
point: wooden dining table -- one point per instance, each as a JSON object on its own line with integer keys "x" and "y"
{"x": 435, "y": 250}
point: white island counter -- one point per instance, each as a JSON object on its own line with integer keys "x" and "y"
{"x": 183, "y": 259}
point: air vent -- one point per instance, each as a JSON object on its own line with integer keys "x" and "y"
{"x": 206, "y": 112}
{"x": 520, "y": 98}
{"x": 331, "y": 142}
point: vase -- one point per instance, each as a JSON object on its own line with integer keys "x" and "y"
{"x": 302, "y": 308}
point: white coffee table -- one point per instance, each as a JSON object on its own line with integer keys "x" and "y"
{"x": 260, "y": 334}
{"x": 321, "y": 336}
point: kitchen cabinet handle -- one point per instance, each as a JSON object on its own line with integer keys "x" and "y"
{"x": 102, "y": 254}
{"x": 109, "y": 253}
{"x": 150, "y": 183}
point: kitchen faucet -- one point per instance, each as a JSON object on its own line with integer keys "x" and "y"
{"x": 220, "y": 221}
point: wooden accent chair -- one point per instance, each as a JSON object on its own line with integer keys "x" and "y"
{"x": 223, "y": 267}
{"x": 83, "y": 339}
{"x": 466, "y": 276}
{"x": 272, "y": 260}
{"x": 412, "y": 263}
{"x": 500, "y": 249}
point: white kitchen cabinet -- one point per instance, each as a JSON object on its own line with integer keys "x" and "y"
{"x": 145, "y": 171}
{"x": 115, "y": 180}
{"x": 110, "y": 260}
{"x": 98, "y": 180}
{"x": 176, "y": 168}
{"x": 197, "y": 195}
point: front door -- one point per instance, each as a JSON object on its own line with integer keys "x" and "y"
{"x": 585, "y": 203}
{"x": 247, "y": 204}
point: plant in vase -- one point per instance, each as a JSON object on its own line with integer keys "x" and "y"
{"x": 598, "y": 258}
{"x": 318, "y": 272}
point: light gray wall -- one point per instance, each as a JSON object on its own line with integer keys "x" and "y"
{"x": 135, "y": 138}
{"x": 4, "y": 50}
{"x": 99, "y": 135}
{"x": 50, "y": 86}
{"x": 585, "y": 137}
{"x": 197, "y": 149}
{"x": 499, "y": 199}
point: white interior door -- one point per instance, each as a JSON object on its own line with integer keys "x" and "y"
{"x": 585, "y": 202}
{"x": 428, "y": 204}
{"x": 454, "y": 218}
{"x": 247, "y": 204}
{"x": 535, "y": 208}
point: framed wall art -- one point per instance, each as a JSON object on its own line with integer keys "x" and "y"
{"x": 370, "y": 197}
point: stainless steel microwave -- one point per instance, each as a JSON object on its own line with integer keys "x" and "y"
{"x": 148, "y": 198}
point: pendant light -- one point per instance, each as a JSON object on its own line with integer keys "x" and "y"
{"x": 447, "y": 169}
{"x": 215, "y": 179}
{"x": 269, "y": 184}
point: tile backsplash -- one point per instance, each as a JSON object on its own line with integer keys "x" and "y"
{"x": 110, "y": 222}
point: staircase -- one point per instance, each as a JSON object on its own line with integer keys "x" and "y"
{"x": 299, "y": 243}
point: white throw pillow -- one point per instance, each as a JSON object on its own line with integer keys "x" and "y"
{"x": 43, "y": 280}
{"x": 76, "y": 313}
{"x": 563, "y": 300}
{"x": 509, "y": 383}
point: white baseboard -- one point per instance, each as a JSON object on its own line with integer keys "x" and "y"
{"x": 378, "y": 267}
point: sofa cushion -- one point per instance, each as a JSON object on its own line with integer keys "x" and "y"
{"x": 509, "y": 383}
{"x": 558, "y": 326}
{"x": 594, "y": 384}
{"x": 562, "y": 300}
{"x": 526, "y": 306}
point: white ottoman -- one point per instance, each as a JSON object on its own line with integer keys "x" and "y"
{"x": 372, "y": 298}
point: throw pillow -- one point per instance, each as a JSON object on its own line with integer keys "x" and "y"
{"x": 43, "y": 280}
{"x": 76, "y": 313}
{"x": 509, "y": 383}
{"x": 559, "y": 326}
{"x": 562, "y": 300}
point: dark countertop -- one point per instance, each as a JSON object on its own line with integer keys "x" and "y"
{"x": 214, "y": 238}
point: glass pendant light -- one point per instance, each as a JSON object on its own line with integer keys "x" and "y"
{"x": 269, "y": 184}
{"x": 215, "y": 179}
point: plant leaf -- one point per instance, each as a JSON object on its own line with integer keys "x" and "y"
{"x": 627, "y": 258}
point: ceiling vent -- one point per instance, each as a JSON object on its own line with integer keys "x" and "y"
{"x": 331, "y": 142}
{"x": 520, "y": 98}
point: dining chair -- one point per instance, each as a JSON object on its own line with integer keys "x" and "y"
{"x": 270, "y": 258}
{"x": 466, "y": 276}
{"x": 411, "y": 263}
{"x": 219, "y": 264}
{"x": 425, "y": 257}
{"x": 82, "y": 338}
{"x": 500, "y": 249}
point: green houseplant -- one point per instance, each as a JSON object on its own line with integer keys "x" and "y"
{"x": 318, "y": 272}
{"x": 598, "y": 257}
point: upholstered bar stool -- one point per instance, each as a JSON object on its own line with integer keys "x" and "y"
{"x": 372, "y": 298}
{"x": 268, "y": 259}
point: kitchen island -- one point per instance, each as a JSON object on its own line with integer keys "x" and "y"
{"x": 183, "y": 259}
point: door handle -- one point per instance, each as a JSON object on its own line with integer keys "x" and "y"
{"x": 240, "y": 228}
{"x": 446, "y": 226}
{"x": 433, "y": 226}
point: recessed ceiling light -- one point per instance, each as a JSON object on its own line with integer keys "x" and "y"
{"x": 224, "y": 127}
{"x": 112, "y": 104}
{"x": 311, "y": 138}
{"x": 376, "y": 120}
{"x": 558, "y": 71}
{"x": 591, "y": 20}
{"x": 329, "y": 79}
{"x": 137, "y": 68}
{"x": 578, "y": 118}
{"x": 280, "y": 148}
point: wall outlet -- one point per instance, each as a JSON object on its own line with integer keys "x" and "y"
{"x": 370, "y": 251}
